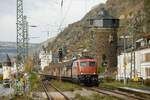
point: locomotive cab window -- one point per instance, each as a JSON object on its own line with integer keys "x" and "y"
{"x": 87, "y": 64}
{"x": 92, "y": 64}
{"x": 83, "y": 64}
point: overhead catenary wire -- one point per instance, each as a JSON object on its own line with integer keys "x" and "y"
{"x": 64, "y": 12}
{"x": 65, "y": 15}
{"x": 86, "y": 5}
{"x": 55, "y": 1}
{"x": 62, "y": 2}
{"x": 69, "y": 7}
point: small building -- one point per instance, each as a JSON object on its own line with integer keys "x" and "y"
{"x": 7, "y": 70}
{"x": 140, "y": 66}
{"x": 45, "y": 58}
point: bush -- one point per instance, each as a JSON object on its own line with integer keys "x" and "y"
{"x": 101, "y": 69}
{"x": 34, "y": 81}
{"x": 147, "y": 82}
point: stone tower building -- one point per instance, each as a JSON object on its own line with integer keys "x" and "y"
{"x": 105, "y": 27}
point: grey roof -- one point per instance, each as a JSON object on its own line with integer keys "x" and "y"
{"x": 7, "y": 61}
{"x": 103, "y": 14}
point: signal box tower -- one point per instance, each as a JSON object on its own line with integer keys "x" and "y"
{"x": 105, "y": 28}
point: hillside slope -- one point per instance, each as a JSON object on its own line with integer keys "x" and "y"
{"x": 78, "y": 36}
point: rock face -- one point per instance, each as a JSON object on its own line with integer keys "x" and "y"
{"x": 128, "y": 11}
{"x": 106, "y": 46}
{"x": 147, "y": 15}
{"x": 78, "y": 36}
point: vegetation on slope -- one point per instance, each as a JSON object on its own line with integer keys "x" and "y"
{"x": 78, "y": 36}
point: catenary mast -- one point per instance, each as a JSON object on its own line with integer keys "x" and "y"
{"x": 26, "y": 39}
{"x": 20, "y": 33}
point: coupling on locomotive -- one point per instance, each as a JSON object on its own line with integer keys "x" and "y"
{"x": 81, "y": 70}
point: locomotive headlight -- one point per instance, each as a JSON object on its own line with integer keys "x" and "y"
{"x": 81, "y": 73}
{"x": 94, "y": 73}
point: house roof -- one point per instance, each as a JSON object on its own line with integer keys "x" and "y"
{"x": 147, "y": 36}
{"x": 7, "y": 61}
{"x": 103, "y": 14}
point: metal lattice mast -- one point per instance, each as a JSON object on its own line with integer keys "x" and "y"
{"x": 20, "y": 34}
{"x": 25, "y": 33}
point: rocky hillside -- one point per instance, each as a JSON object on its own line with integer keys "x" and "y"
{"x": 133, "y": 15}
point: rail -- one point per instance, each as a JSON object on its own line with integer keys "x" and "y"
{"x": 59, "y": 91}
{"x": 117, "y": 94}
{"x": 46, "y": 91}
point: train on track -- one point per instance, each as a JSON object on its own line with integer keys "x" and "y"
{"x": 83, "y": 70}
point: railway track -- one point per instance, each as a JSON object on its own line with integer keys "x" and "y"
{"x": 58, "y": 95}
{"x": 46, "y": 91}
{"x": 117, "y": 94}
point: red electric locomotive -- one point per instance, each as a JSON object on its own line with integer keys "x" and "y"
{"x": 82, "y": 70}
{"x": 85, "y": 71}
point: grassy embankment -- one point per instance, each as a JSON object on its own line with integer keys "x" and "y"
{"x": 65, "y": 86}
{"x": 116, "y": 84}
{"x": 35, "y": 83}
{"x": 111, "y": 83}
{"x": 94, "y": 96}
{"x": 34, "y": 86}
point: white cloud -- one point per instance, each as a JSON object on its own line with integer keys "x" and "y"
{"x": 44, "y": 13}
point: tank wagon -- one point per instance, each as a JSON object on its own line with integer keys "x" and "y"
{"x": 83, "y": 70}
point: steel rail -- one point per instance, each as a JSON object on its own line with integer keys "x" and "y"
{"x": 67, "y": 98}
{"x": 117, "y": 94}
{"x": 129, "y": 95}
{"x": 46, "y": 91}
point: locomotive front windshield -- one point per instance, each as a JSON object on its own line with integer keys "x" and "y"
{"x": 88, "y": 64}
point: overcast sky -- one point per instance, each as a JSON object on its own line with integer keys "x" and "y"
{"x": 47, "y": 15}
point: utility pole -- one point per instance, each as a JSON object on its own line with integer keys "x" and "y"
{"x": 125, "y": 63}
{"x": 20, "y": 33}
{"x": 132, "y": 51}
{"x": 26, "y": 38}
{"x": 20, "y": 39}
{"x": 134, "y": 29}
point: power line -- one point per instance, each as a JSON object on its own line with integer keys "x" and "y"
{"x": 86, "y": 5}
{"x": 62, "y": 3}
{"x": 26, "y": 37}
{"x": 62, "y": 21}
